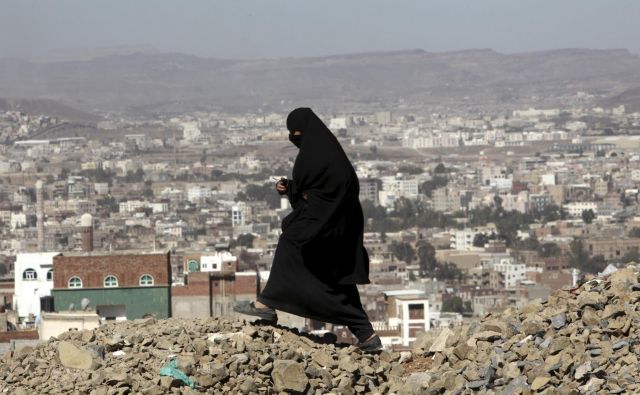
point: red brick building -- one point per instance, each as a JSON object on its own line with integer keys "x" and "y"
{"x": 119, "y": 285}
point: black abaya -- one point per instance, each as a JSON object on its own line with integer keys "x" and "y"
{"x": 320, "y": 255}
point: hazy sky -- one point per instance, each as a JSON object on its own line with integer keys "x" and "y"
{"x": 279, "y": 28}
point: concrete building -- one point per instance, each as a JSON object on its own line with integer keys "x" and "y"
{"x": 33, "y": 280}
{"x": 55, "y": 324}
{"x": 575, "y": 209}
{"x": 408, "y": 311}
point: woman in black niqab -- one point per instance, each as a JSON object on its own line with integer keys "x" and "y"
{"x": 320, "y": 255}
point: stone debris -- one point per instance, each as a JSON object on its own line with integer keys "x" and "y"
{"x": 220, "y": 355}
{"x": 580, "y": 341}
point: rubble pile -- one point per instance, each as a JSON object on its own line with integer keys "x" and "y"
{"x": 581, "y": 341}
{"x": 217, "y": 355}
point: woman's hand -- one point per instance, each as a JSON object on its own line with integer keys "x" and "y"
{"x": 305, "y": 195}
{"x": 281, "y": 187}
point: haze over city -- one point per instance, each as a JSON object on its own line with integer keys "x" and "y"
{"x": 280, "y": 28}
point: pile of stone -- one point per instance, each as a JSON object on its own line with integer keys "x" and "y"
{"x": 219, "y": 355}
{"x": 585, "y": 340}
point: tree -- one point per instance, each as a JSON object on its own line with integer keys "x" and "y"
{"x": 403, "y": 251}
{"x": 480, "y": 239}
{"x": 431, "y": 185}
{"x": 509, "y": 223}
{"x": 635, "y": 232}
{"x": 440, "y": 169}
{"x": 264, "y": 193}
{"x": 448, "y": 271}
{"x": 410, "y": 169}
{"x": 412, "y": 276}
{"x": 245, "y": 240}
{"x": 577, "y": 253}
{"x": 579, "y": 258}
{"x": 588, "y": 216}
{"x": 453, "y": 304}
{"x": 427, "y": 262}
{"x": 631, "y": 256}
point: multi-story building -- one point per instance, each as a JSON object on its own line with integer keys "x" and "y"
{"x": 575, "y": 209}
{"x": 369, "y": 190}
{"x": 33, "y": 280}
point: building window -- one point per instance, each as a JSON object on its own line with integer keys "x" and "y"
{"x": 29, "y": 275}
{"x": 50, "y": 275}
{"x": 110, "y": 282}
{"x": 75, "y": 282}
{"x": 146, "y": 279}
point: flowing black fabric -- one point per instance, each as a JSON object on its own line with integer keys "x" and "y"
{"x": 320, "y": 256}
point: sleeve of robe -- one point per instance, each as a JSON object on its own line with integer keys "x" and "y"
{"x": 317, "y": 216}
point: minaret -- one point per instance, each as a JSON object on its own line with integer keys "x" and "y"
{"x": 40, "y": 215}
{"x": 86, "y": 231}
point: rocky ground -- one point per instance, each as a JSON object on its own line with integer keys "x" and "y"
{"x": 220, "y": 355}
{"x": 581, "y": 341}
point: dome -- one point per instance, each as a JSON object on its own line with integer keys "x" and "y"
{"x": 86, "y": 220}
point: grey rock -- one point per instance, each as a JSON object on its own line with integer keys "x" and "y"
{"x": 289, "y": 375}
{"x": 559, "y": 321}
{"x": 73, "y": 357}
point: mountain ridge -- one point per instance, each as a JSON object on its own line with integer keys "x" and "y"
{"x": 476, "y": 78}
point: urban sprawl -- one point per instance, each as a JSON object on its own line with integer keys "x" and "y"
{"x": 178, "y": 216}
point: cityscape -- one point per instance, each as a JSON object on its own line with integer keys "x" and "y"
{"x": 465, "y": 215}
{"x": 181, "y": 190}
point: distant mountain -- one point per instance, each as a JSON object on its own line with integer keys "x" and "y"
{"x": 175, "y": 82}
{"x": 47, "y": 107}
{"x": 629, "y": 98}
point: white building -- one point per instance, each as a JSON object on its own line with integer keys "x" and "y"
{"x": 197, "y": 193}
{"x": 575, "y": 209}
{"x": 401, "y": 186}
{"x": 512, "y": 273}
{"x": 131, "y": 206}
{"x": 18, "y": 220}
{"x": 33, "y": 280}
{"x": 217, "y": 262}
{"x": 410, "y": 313}
{"x": 240, "y": 214}
{"x": 190, "y": 131}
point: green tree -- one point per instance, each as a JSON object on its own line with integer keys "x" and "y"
{"x": 245, "y": 240}
{"x": 448, "y": 271}
{"x": 635, "y": 232}
{"x": 262, "y": 193}
{"x": 588, "y": 216}
{"x": 427, "y": 262}
{"x": 440, "y": 169}
{"x": 453, "y": 304}
{"x": 434, "y": 183}
{"x": 631, "y": 256}
{"x": 578, "y": 255}
{"x": 480, "y": 239}
{"x": 410, "y": 169}
{"x": 403, "y": 251}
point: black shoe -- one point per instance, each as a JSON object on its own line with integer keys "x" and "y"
{"x": 249, "y": 308}
{"x": 372, "y": 345}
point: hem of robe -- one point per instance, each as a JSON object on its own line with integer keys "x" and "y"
{"x": 292, "y": 309}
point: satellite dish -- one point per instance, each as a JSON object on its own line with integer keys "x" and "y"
{"x": 72, "y": 307}
{"x": 84, "y": 303}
